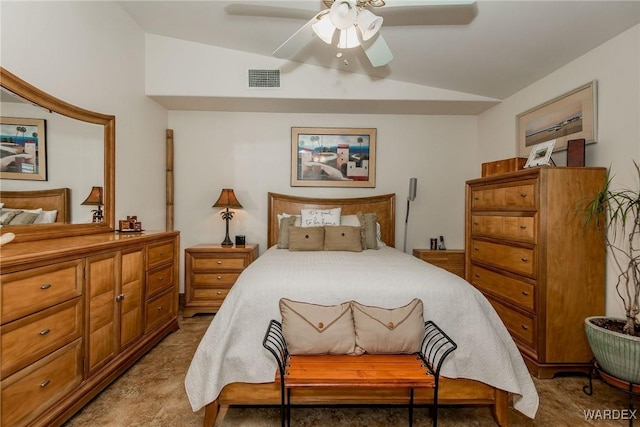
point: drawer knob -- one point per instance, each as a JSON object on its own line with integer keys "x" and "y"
{"x": 476, "y": 248}
{"x": 161, "y": 253}
{"x": 219, "y": 277}
{"x": 219, "y": 293}
{"x": 523, "y": 194}
{"x": 523, "y": 227}
{"x": 219, "y": 262}
{"x": 475, "y": 223}
{"x": 525, "y": 293}
{"x": 45, "y": 286}
{"x": 161, "y": 278}
{"x": 476, "y": 198}
{"x": 45, "y": 383}
{"x": 523, "y": 259}
{"x": 160, "y": 308}
{"x": 45, "y": 331}
{"x": 477, "y": 275}
{"x": 525, "y": 327}
{"x": 120, "y": 297}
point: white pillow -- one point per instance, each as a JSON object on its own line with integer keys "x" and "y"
{"x": 6, "y": 211}
{"x": 320, "y": 217}
{"x": 46, "y": 217}
{"x": 286, "y": 215}
{"x": 379, "y": 236}
{"x": 350, "y": 220}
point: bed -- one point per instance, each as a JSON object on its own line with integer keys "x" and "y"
{"x": 230, "y": 367}
{"x": 56, "y": 199}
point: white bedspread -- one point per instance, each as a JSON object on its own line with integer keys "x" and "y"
{"x": 231, "y": 349}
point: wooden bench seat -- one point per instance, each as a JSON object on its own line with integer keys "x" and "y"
{"x": 410, "y": 371}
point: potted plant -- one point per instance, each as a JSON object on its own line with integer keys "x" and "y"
{"x": 616, "y": 342}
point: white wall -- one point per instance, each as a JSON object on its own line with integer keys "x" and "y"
{"x": 616, "y": 66}
{"x": 91, "y": 54}
{"x": 250, "y": 152}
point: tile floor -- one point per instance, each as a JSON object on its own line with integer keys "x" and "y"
{"x": 152, "y": 394}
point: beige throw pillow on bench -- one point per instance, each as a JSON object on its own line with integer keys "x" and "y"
{"x": 317, "y": 329}
{"x": 387, "y": 331}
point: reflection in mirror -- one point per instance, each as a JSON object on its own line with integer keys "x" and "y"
{"x": 80, "y": 155}
{"x": 74, "y": 154}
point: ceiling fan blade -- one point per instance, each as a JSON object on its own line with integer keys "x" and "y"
{"x": 377, "y": 51}
{"x": 298, "y": 40}
{"x": 263, "y": 11}
{"x": 452, "y": 12}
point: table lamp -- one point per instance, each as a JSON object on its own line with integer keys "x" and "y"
{"x": 95, "y": 199}
{"x": 227, "y": 200}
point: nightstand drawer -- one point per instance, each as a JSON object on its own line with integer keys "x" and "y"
{"x": 512, "y": 258}
{"x": 516, "y": 291}
{"x": 159, "y": 280}
{"x": 31, "y": 391}
{"x": 214, "y": 295}
{"x": 451, "y": 260}
{"x": 219, "y": 263}
{"x": 28, "y": 291}
{"x": 26, "y": 340}
{"x": 200, "y": 279}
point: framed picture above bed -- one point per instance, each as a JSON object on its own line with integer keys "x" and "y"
{"x": 23, "y": 145}
{"x": 333, "y": 157}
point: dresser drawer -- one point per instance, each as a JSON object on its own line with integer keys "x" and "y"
{"x": 159, "y": 309}
{"x": 26, "y": 340}
{"x": 519, "y": 325}
{"x": 214, "y": 279}
{"x": 159, "y": 280}
{"x": 28, "y": 291}
{"x": 219, "y": 263}
{"x": 213, "y": 295}
{"x": 516, "y": 291}
{"x": 159, "y": 253}
{"x": 521, "y": 228}
{"x": 512, "y": 197}
{"x": 31, "y": 391}
{"x": 512, "y": 258}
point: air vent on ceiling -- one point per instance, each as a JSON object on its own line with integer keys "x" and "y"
{"x": 264, "y": 78}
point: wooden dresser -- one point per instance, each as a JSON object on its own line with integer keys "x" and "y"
{"x": 528, "y": 251}
{"x": 210, "y": 271}
{"x": 451, "y": 260}
{"x": 76, "y": 313}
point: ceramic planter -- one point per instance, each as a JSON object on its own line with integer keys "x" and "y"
{"x": 617, "y": 354}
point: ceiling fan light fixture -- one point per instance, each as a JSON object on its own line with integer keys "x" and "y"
{"x": 348, "y": 38}
{"x": 368, "y": 23}
{"x": 343, "y": 14}
{"x": 324, "y": 29}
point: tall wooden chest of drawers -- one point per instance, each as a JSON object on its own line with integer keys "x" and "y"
{"x": 529, "y": 253}
{"x": 210, "y": 272}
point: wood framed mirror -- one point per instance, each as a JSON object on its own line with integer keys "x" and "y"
{"x": 70, "y": 226}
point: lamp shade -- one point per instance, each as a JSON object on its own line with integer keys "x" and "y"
{"x": 227, "y": 199}
{"x": 343, "y": 14}
{"x": 94, "y": 198}
{"x": 324, "y": 29}
{"x": 368, "y": 23}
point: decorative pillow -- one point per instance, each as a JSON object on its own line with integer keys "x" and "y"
{"x": 46, "y": 217}
{"x": 350, "y": 220}
{"x": 379, "y": 236}
{"x": 7, "y": 215}
{"x": 283, "y": 231}
{"x": 23, "y": 218}
{"x": 382, "y": 331}
{"x": 369, "y": 240}
{"x": 342, "y": 238}
{"x": 320, "y": 217}
{"x": 317, "y": 329}
{"x": 286, "y": 215}
{"x": 306, "y": 238}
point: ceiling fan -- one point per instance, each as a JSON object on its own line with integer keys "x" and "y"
{"x": 348, "y": 24}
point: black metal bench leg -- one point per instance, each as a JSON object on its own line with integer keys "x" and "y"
{"x": 411, "y": 407}
{"x": 288, "y": 407}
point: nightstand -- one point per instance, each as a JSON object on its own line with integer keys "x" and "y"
{"x": 450, "y": 259}
{"x": 210, "y": 272}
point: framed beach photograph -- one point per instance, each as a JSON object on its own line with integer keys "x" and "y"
{"x": 570, "y": 116}
{"x": 23, "y": 148}
{"x": 540, "y": 154}
{"x": 333, "y": 157}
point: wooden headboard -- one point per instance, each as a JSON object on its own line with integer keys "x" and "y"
{"x": 55, "y": 199}
{"x": 383, "y": 206}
